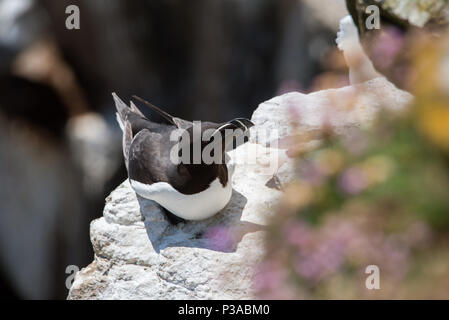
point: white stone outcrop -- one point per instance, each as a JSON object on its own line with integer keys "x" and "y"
{"x": 294, "y": 113}
{"x": 139, "y": 255}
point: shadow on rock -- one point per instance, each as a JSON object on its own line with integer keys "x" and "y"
{"x": 222, "y": 232}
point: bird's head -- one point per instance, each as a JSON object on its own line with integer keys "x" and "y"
{"x": 206, "y": 143}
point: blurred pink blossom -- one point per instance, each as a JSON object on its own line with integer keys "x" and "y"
{"x": 270, "y": 281}
{"x": 387, "y": 46}
{"x": 298, "y": 234}
{"x": 324, "y": 260}
{"x": 353, "y": 181}
{"x": 311, "y": 173}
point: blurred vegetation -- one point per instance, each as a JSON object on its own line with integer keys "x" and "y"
{"x": 398, "y": 18}
{"x": 377, "y": 195}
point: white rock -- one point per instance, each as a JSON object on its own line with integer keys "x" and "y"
{"x": 361, "y": 68}
{"x": 139, "y": 255}
{"x": 294, "y": 114}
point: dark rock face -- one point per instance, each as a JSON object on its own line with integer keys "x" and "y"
{"x": 33, "y": 102}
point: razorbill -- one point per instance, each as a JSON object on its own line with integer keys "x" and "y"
{"x": 187, "y": 185}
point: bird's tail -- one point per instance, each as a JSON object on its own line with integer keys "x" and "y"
{"x": 123, "y": 112}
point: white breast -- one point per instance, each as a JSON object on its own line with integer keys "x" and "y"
{"x": 196, "y": 206}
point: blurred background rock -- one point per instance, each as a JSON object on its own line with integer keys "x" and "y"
{"x": 59, "y": 143}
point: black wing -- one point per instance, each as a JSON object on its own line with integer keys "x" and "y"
{"x": 132, "y": 121}
{"x": 180, "y": 123}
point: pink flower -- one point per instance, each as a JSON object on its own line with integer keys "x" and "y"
{"x": 298, "y": 234}
{"x": 353, "y": 181}
{"x": 312, "y": 173}
{"x": 387, "y": 47}
{"x": 321, "y": 262}
{"x": 269, "y": 281}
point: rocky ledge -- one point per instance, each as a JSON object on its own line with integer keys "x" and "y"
{"x": 139, "y": 255}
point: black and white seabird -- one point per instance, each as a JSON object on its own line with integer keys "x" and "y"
{"x": 189, "y": 190}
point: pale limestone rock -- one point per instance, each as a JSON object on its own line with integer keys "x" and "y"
{"x": 295, "y": 114}
{"x": 361, "y": 68}
{"x": 139, "y": 255}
